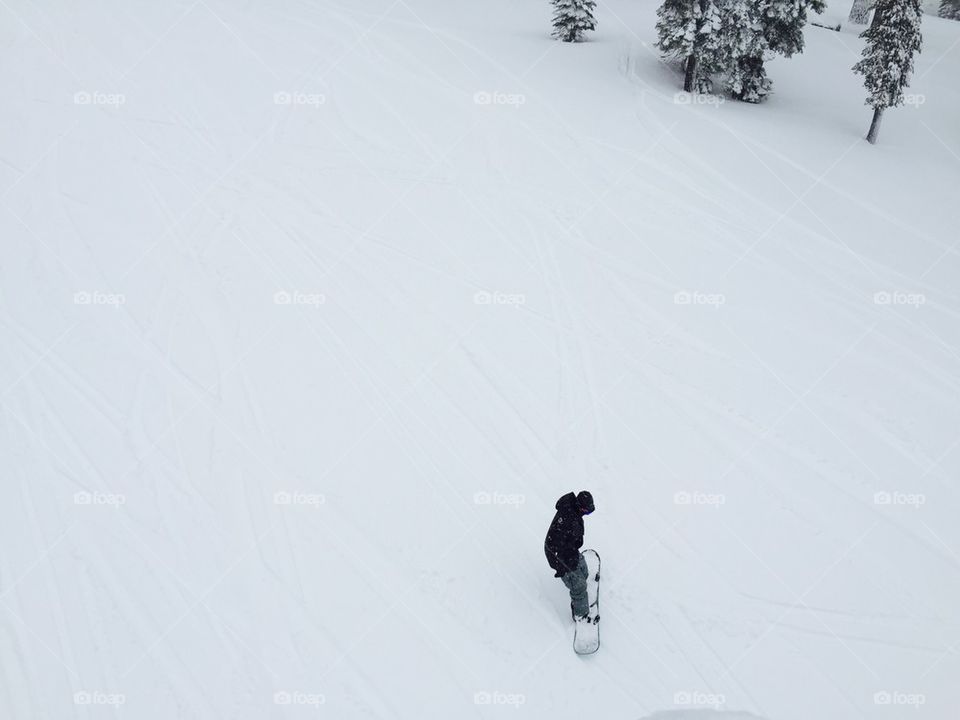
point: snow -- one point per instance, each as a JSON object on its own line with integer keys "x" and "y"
{"x": 311, "y": 310}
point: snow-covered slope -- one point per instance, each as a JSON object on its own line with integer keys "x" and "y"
{"x": 311, "y": 310}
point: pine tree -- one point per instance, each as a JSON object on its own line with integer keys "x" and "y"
{"x": 747, "y": 80}
{"x": 572, "y": 18}
{"x": 950, "y": 9}
{"x": 754, "y": 28}
{"x": 859, "y": 12}
{"x": 783, "y": 22}
{"x": 686, "y": 30}
{"x": 893, "y": 38}
{"x": 741, "y": 46}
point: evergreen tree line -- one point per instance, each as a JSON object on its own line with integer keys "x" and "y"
{"x": 950, "y": 9}
{"x": 731, "y": 39}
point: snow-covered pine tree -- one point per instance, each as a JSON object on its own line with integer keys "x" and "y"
{"x": 740, "y": 48}
{"x": 573, "y": 18}
{"x": 686, "y": 30}
{"x": 752, "y": 28}
{"x": 949, "y": 9}
{"x": 747, "y": 79}
{"x": 893, "y": 38}
{"x": 860, "y": 12}
{"x": 783, "y": 23}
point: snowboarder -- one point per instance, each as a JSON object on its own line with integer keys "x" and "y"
{"x": 562, "y": 547}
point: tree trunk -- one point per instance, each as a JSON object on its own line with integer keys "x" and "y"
{"x": 859, "y": 12}
{"x": 875, "y": 125}
{"x": 690, "y": 74}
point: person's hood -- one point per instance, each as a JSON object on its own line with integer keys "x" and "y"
{"x": 567, "y": 502}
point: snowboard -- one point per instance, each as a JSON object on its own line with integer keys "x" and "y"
{"x": 586, "y": 633}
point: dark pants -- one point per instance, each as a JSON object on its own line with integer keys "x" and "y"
{"x": 576, "y": 582}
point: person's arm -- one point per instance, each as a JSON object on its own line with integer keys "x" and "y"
{"x": 568, "y": 552}
{"x": 578, "y": 532}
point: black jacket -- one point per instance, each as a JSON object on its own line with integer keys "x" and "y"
{"x": 565, "y": 536}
